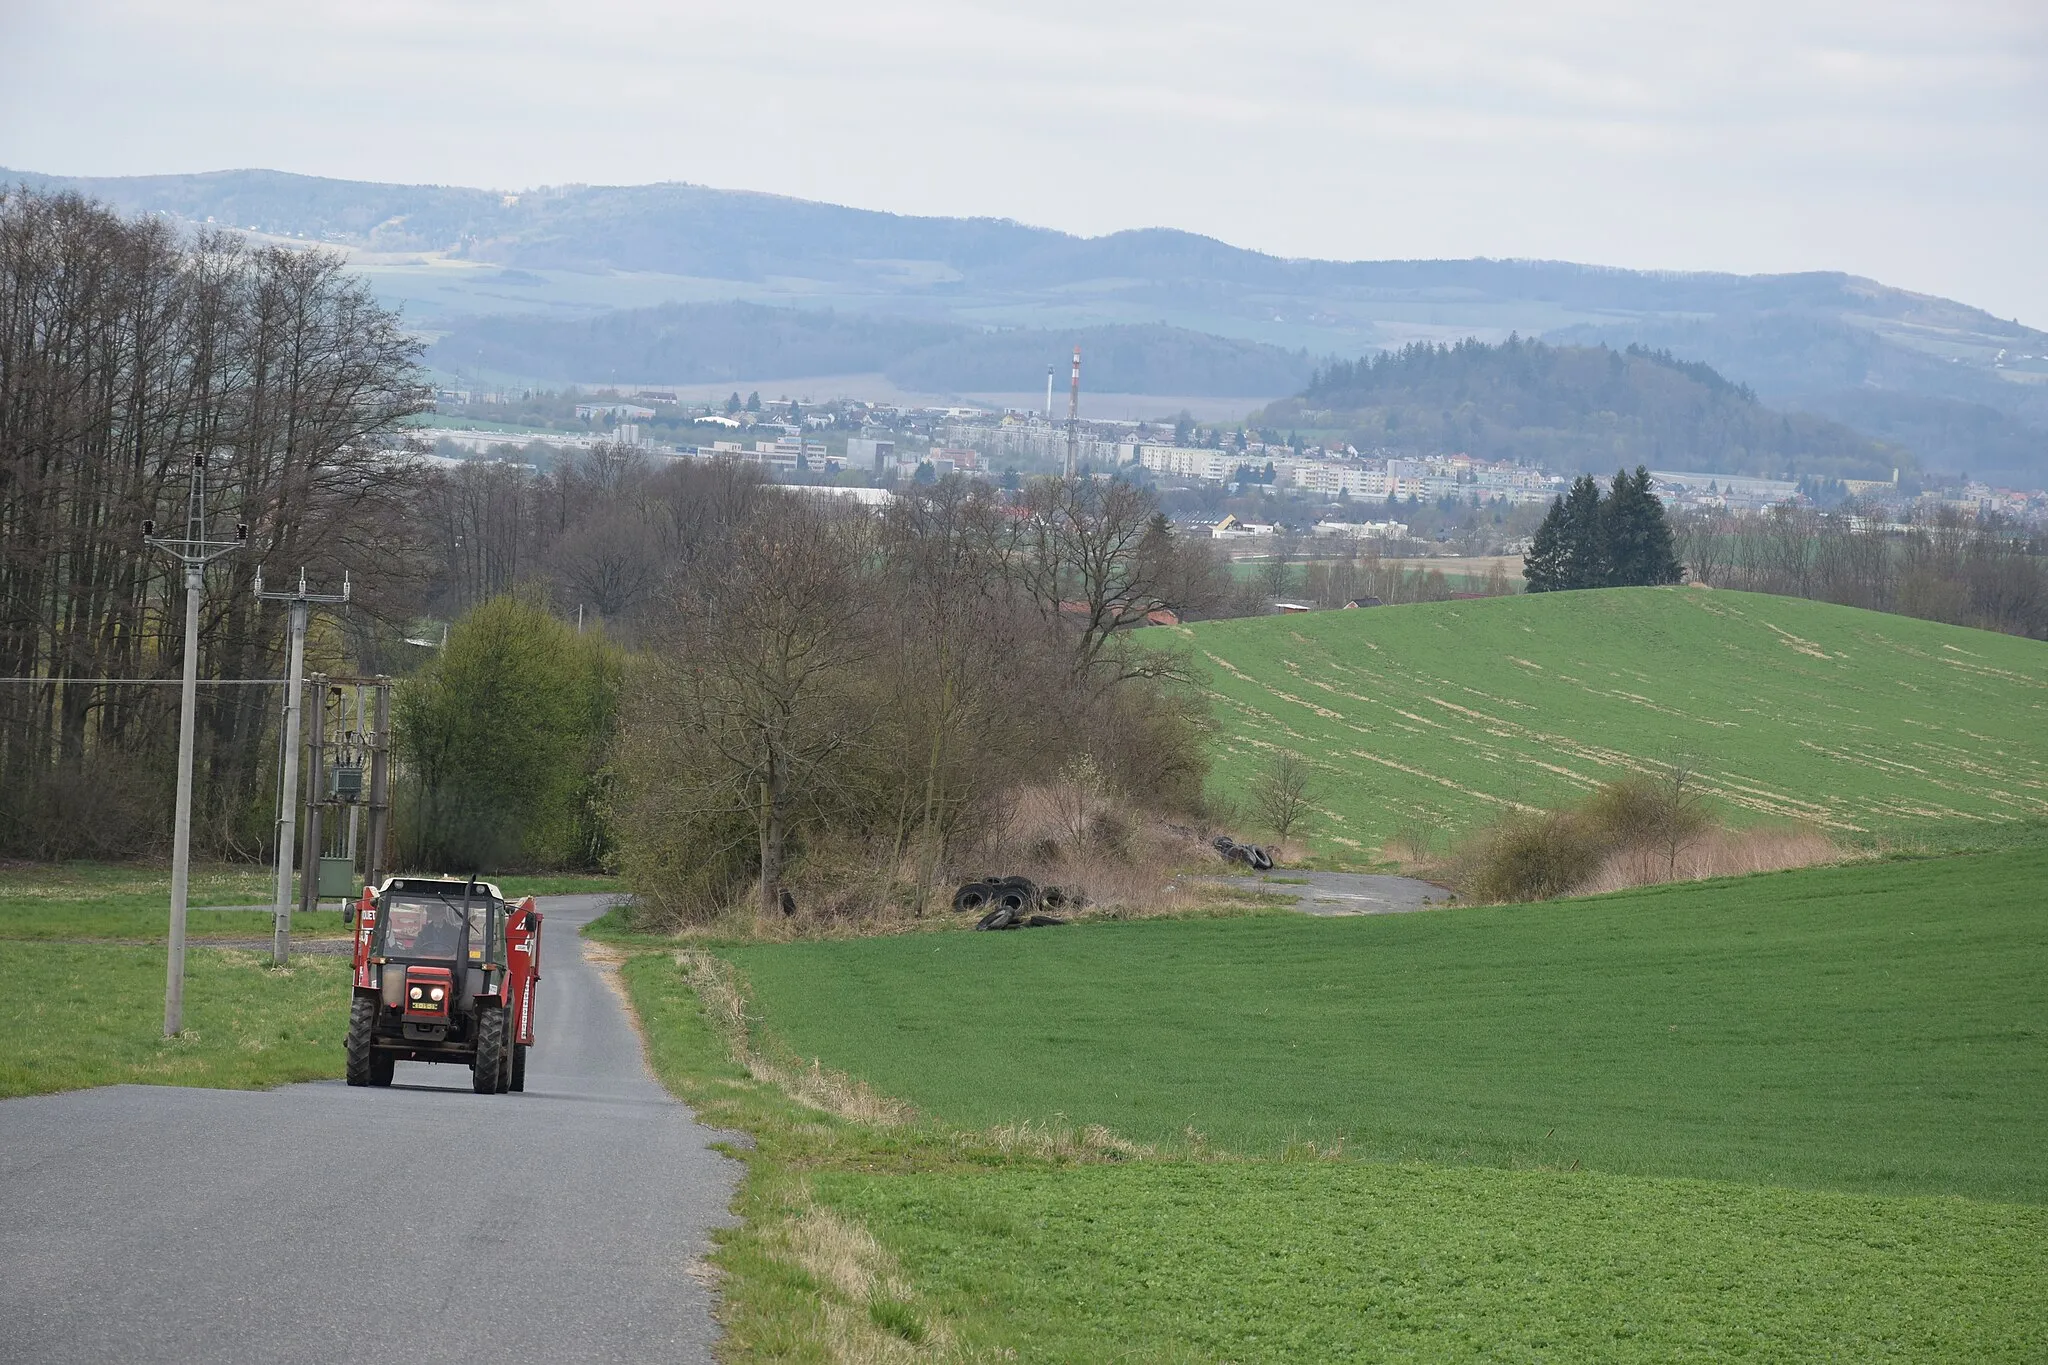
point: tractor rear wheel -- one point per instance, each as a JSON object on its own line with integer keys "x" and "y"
{"x": 489, "y": 1066}
{"x": 519, "y": 1066}
{"x": 360, "y": 1054}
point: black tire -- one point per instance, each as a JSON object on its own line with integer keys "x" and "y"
{"x": 519, "y": 1066}
{"x": 511, "y": 1051}
{"x": 1262, "y": 861}
{"x": 1043, "y": 921}
{"x": 1002, "y": 917}
{"x": 971, "y": 897}
{"x": 382, "y": 1064}
{"x": 488, "y": 1069}
{"x": 360, "y": 1055}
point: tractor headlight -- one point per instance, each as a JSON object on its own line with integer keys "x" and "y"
{"x": 418, "y": 993}
{"x": 436, "y": 994}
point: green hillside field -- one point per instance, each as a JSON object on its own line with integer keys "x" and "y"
{"x": 1442, "y": 716}
{"x": 1790, "y": 1117}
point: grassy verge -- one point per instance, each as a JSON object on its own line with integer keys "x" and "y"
{"x": 84, "y": 1015}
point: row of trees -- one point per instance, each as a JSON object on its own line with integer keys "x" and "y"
{"x": 844, "y": 702}
{"x": 1961, "y": 569}
{"x": 125, "y": 352}
{"x": 1620, "y": 540}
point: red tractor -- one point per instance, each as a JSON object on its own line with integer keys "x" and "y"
{"x": 445, "y": 972}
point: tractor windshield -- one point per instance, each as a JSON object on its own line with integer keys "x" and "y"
{"x": 422, "y": 926}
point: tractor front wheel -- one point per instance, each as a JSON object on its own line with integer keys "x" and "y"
{"x": 360, "y": 1054}
{"x": 519, "y": 1066}
{"x": 489, "y": 1067}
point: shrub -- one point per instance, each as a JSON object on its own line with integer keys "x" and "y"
{"x": 1535, "y": 857}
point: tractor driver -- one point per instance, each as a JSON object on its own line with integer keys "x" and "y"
{"x": 430, "y": 930}
{"x": 441, "y": 935}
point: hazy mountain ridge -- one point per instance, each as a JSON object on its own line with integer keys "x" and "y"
{"x": 1905, "y": 366}
{"x": 739, "y": 342}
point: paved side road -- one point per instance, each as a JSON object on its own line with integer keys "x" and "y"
{"x": 1352, "y": 893}
{"x": 421, "y": 1223}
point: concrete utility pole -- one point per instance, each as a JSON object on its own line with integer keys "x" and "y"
{"x": 380, "y": 786}
{"x": 300, "y": 602}
{"x": 316, "y": 780}
{"x": 194, "y": 552}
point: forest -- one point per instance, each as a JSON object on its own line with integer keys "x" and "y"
{"x": 1584, "y": 408}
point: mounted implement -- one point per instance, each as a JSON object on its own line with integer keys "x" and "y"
{"x": 445, "y": 972}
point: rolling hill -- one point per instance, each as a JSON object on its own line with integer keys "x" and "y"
{"x": 1574, "y": 408}
{"x": 1444, "y": 715}
{"x": 1824, "y": 340}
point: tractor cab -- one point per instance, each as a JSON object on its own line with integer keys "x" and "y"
{"x": 445, "y": 972}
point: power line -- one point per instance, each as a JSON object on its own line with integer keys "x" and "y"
{"x": 152, "y": 682}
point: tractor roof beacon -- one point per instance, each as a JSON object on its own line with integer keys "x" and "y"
{"x": 446, "y": 971}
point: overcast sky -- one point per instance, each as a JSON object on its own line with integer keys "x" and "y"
{"x": 1905, "y": 141}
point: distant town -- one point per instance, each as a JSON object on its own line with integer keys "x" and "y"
{"x": 1227, "y": 481}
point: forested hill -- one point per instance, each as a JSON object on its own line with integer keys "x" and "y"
{"x": 1573, "y": 407}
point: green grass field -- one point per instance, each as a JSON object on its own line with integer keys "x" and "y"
{"x": 1446, "y": 714}
{"x": 77, "y": 1015}
{"x": 1312, "y": 1261}
{"x": 1879, "y": 1027}
{"x": 1787, "y": 1117}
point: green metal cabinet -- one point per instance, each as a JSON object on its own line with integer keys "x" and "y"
{"x": 337, "y": 878}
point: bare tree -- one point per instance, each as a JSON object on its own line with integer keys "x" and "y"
{"x": 760, "y": 669}
{"x": 1080, "y": 551}
{"x": 1281, "y": 793}
{"x": 1681, "y": 810}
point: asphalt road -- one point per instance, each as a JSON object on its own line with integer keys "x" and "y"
{"x": 1352, "y": 893}
{"x": 419, "y": 1223}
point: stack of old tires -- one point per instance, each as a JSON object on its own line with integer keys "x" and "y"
{"x": 1009, "y": 903}
{"x": 1251, "y": 855}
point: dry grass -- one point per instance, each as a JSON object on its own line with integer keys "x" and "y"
{"x": 1717, "y": 853}
{"x": 813, "y": 1085}
{"x": 1636, "y": 832}
{"x": 863, "y": 1313}
{"x": 1120, "y": 860}
{"x": 1062, "y": 1141}
{"x": 1123, "y": 861}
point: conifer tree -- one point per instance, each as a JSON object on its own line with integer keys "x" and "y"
{"x": 1639, "y": 546}
{"x": 1543, "y": 564}
{"x": 1582, "y": 537}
